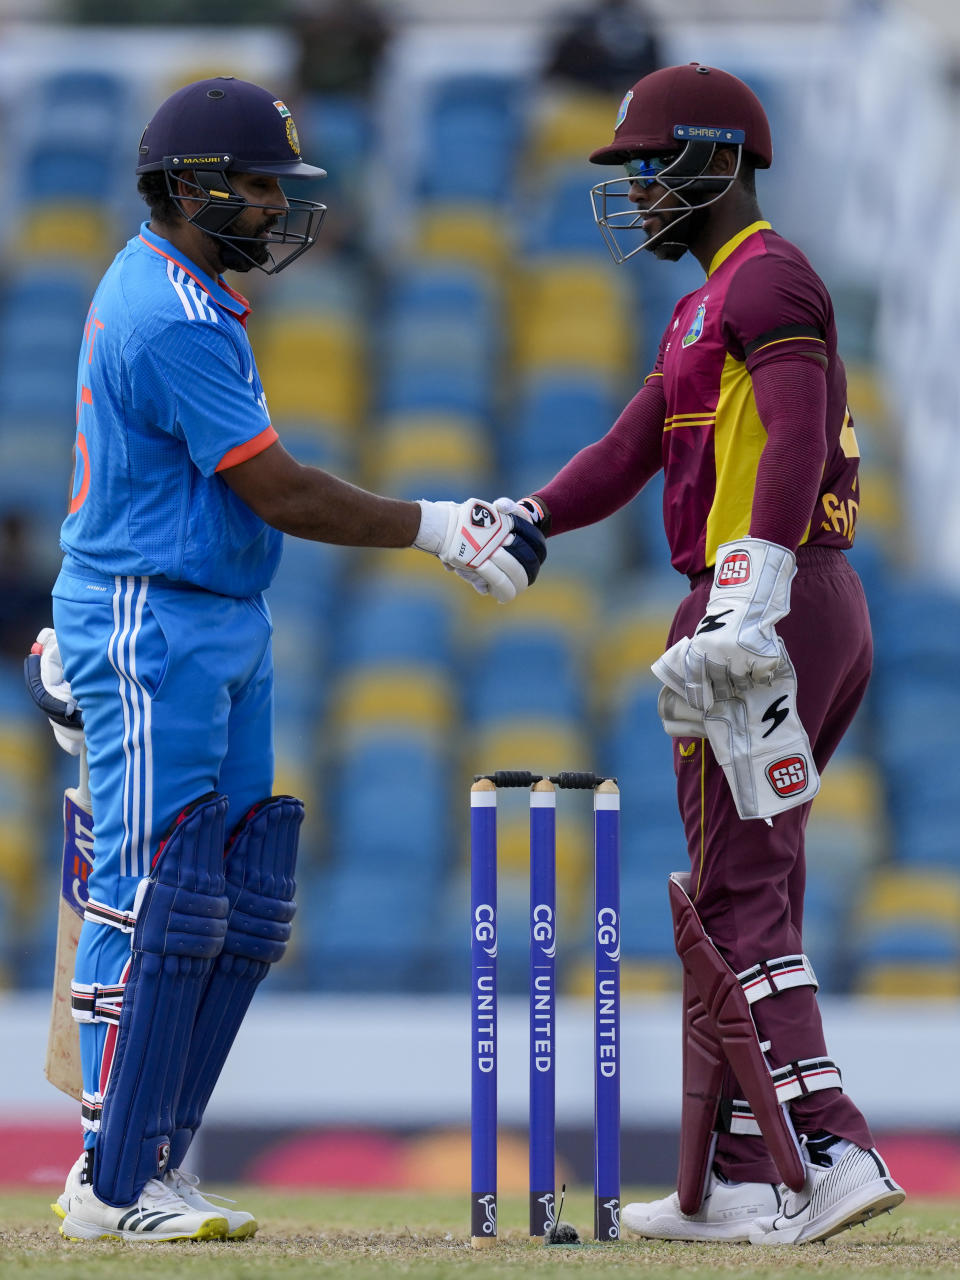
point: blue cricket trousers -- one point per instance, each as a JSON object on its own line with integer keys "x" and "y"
{"x": 176, "y": 688}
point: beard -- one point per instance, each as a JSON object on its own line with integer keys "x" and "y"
{"x": 253, "y": 253}
{"x": 681, "y": 233}
{"x": 243, "y": 252}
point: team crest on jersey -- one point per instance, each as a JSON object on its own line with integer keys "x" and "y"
{"x": 622, "y": 111}
{"x": 695, "y": 330}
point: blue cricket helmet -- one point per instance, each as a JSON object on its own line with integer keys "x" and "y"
{"x": 224, "y": 124}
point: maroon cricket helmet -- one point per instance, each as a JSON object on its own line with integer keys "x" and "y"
{"x": 672, "y": 106}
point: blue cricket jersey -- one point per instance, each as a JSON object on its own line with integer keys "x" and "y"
{"x": 168, "y": 394}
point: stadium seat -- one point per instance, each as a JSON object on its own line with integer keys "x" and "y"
{"x": 82, "y": 233}
{"x": 471, "y": 135}
{"x": 429, "y": 455}
{"x": 376, "y": 697}
{"x": 455, "y": 232}
{"x": 908, "y": 918}
{"x": 390, "y": 805}
{"x": 314, "y": 367}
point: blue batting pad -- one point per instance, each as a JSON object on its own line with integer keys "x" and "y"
{"x": 260, "y": 863}
{"x": 180, "y": 928}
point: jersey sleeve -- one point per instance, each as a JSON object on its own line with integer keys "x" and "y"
{"x": 191, "y": 375}
{"x": 776, "y": 307}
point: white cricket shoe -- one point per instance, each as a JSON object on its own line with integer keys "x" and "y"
{"x": 186, "y": 1185}
{"x": 847, "y": 1186}
{"x": 727, "y": 1213}
{"x": 158, "y": 1214}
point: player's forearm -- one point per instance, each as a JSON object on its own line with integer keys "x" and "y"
{"x": 604, "y": 476}
{"x": 324, "y": 508}
{"x": 311, "y": 503}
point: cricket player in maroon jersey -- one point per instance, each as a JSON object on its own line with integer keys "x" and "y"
{"x": 768, "y": 659}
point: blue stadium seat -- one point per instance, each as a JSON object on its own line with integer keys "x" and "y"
{"x": 560, "y": 216}
{"x": 471, "y": 135}
{"x": 525, "y": 671}
{"x": 557, "y": 415}
{"x": 365, "y": 933}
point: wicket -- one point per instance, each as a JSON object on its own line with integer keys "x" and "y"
{"x": 543, "y": 951}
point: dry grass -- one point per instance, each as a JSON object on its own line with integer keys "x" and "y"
{"x": 363, "y": 1235}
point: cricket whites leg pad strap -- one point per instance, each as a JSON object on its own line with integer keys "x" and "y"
{"x": 729, "y": 1014}
{"x": 703, "y": 1064}
{"x": 181, "y": 922}
{"x": 260, "y": 864}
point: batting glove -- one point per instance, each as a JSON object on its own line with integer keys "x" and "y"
{"x": 495, "y": 552}
{"x": 50, "y": 690}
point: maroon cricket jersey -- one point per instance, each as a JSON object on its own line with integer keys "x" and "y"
{"x": 761, "y": 301}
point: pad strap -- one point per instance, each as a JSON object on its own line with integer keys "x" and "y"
{"x": 91, "y": 1107}
{"x": 770, "y": 977}
{"x": 90, "y": 1002}
{"x": 790, "y": 1081}
{"x": 100, "y": 913}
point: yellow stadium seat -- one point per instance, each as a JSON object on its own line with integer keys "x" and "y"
{"x": 868, "y": 401}
{"x": 463, "y": 233}
{"x": 434, "y": 444}
{"x": 567, "y": 604}
{"x": 376, "y": 697}
{"x": 637, "y": 978}
{"x": 23, "y": 754}
{"x": 543, "y": 745}
{"x": 65, "y": 231}
{"x": 314, "y": 367}
{"x": 851, "y": 787}
{"x": 910, "y": 982}
{"x": 880, "y": 503}
{"x": 569, "y": 126}
{"x": 626, "y": 647}
{"x": 573, "y": 315}
{"x": 574, "y": 849}
{"x": 18, "y": 856}
{"x": 912, "y": 895}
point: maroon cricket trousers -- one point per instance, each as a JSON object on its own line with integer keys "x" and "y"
{"x": 748, "y": 878}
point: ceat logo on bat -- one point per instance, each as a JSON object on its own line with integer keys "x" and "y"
{"x": 788, "y": 776}
{"x": 734, "y": 570}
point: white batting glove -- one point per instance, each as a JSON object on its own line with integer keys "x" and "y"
{"x": 486, "y": 547}
{"x": 55, "y": 696}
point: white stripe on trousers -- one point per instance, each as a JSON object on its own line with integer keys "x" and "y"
{"x": 137, "y": 726}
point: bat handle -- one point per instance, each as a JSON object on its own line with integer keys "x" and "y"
{"x": 83, "y": 781}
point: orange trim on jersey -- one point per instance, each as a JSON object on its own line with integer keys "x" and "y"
{"x": 81, "y": 496}
{"x": 237, "y": 297}
{"x": 724, "y": 252}
{"x": 196, "y": 279}
{"x": 243, "y": 452}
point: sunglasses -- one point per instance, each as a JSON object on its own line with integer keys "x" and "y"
{"x": 646, "y": 169}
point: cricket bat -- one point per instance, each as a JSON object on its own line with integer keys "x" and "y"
{"x": 62, "y": 1065}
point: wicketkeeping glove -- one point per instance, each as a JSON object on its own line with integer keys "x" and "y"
{"x": 50, "y": 690}
{"x": 493, "y": 551}
{"x": 737, "y": 633}
{"x": 753, "y": 729}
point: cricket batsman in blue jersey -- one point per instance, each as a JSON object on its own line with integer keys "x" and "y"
{"x": 181, "y": 495}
